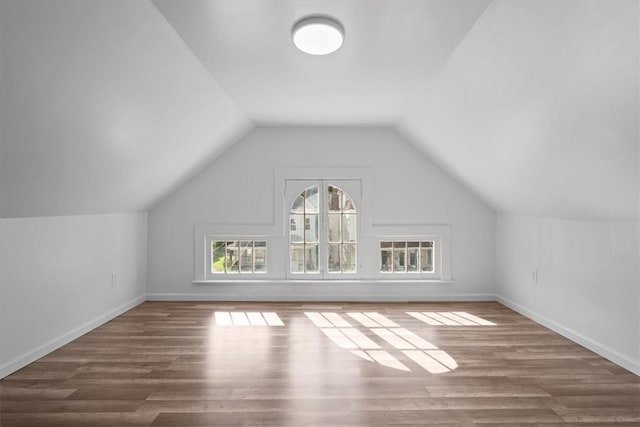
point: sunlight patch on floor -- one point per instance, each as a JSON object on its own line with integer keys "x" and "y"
{"x": 360, "y": 342}
{"x": 241, "y": 318}
{"x": 446, "y": 318}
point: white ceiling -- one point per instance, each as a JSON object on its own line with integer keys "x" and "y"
{"x": 109, "y": 105}
{"x": 103, "y": 109}
{"x": 391, "y": 48}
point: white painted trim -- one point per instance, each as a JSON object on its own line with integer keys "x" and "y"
{"x": 37, "y": 353}
{"x": 440, "y": 233}
{"x": 397, "y": 281}
{"x": 596, "y": 347}
{"x": 322, "y": 298}
{"x": 364, "y": 175}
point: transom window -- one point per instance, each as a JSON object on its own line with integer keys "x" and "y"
{"x": 406, "y": 256}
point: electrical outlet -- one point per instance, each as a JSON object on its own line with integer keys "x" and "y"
{"x": 114, "y": 279}
{"x": 534, "y": 276}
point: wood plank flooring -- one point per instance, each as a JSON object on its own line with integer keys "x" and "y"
{"x": 180, "y": 364}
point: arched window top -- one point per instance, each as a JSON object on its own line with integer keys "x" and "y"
{"x": 308, "y": 201}
{"x": 339, "y": 201}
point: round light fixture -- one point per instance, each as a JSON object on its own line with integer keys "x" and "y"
{"x": 318, "y": 35}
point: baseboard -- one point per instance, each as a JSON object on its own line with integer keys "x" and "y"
{"x": 330, "y": 298}
{"x": 33, "y": 355}
{"x": 600, "y": 349}
{"x": 596, "y": 347}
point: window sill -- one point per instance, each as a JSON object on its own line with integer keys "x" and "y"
{"x": 317, "y": 281}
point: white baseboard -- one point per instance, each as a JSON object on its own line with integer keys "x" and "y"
{"x": 596, "y": 347}
{"x": 330, "y": 298}
{"x": 35, "y": 354}
{"x": 600, "y": 349}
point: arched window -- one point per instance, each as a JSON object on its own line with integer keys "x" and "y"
{"x": 323, "y": 231}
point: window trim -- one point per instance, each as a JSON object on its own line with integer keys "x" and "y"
{"x": 291, "y": 190}
{"x": 439, "y": 234}
{"x": 419, "y": 272}
{"x": 226, "y": 276}
{"x": 204, "y": 232}
{"x": 245, "y": 274}
{"x": 274, "y": 230}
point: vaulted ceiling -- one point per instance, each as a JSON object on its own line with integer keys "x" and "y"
{"x": 107, "y": 106}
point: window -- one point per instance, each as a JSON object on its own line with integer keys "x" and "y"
{"x": 341, "y": 231}
{"x": 407, "y": 256}
{"x": 304, "y": 233}
{"x": 238, "y": 256}
{"x": 323, "y": 224}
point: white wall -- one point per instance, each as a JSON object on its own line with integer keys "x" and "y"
{"x": 238, "y": 188}
{"x": 587, "y": 280}
{"x": 56, "y": 283}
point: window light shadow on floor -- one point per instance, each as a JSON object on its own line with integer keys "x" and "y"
{"x": 380, "y": 334}
{"x": 450, "y": 318}
{"x": 242, "y": 318}
{"x": 349, "y": 337}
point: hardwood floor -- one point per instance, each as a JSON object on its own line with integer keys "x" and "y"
{"x": 181, "y": 364}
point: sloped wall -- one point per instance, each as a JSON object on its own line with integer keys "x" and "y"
{"x": 238, "y": 188}
{"x": 56, "y": 279}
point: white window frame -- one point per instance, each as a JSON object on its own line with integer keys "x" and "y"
{"x": 435, "y": 273}
{"x": 353, "y": 188}
{"x": 211, "y": 275}
{"x": 275, "y": 233}
{"x": 439, "y": 234}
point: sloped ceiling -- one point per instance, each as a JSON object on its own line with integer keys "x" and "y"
{"x": 537, "y": 110}
{"x": 104, "y": 108}
{"x": 109, "y": 105}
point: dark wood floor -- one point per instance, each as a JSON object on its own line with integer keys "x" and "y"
{"x": 178, "y": 364}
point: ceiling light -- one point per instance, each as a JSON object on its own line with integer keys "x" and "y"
{"x": 318, "y": 35}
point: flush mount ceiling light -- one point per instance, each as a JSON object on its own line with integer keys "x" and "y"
{"x": 318, "y": 35}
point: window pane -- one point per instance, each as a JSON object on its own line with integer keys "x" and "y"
{"x": 385, "y": 259}
{"x": 311, "y": 258}
{"x": 386, "y": 244}
{"x": 412, "y": 258}
{"x": 426, "y": 259}
{"x": 334, "y": 227}
{"x": 333, "y": 198}
{"x": 311, "y": 228}
{"x": 217, "y": 256}
{"x": 296, "y": 227}
{"x": 260, "y": 257}
{"x": 348, "y": 204}
{"x": 232, "y": 257}
{"x": 312, "y": 199}
{"x": 246, "y": 256}
{"x": 349, "y": 258}
{"x": 297, "y": 258}
{"x": 399, "y": 257}
{"x": 349, "y": 226}
{"x": 298, "y": 204}
{"x": 334, "y": 258}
